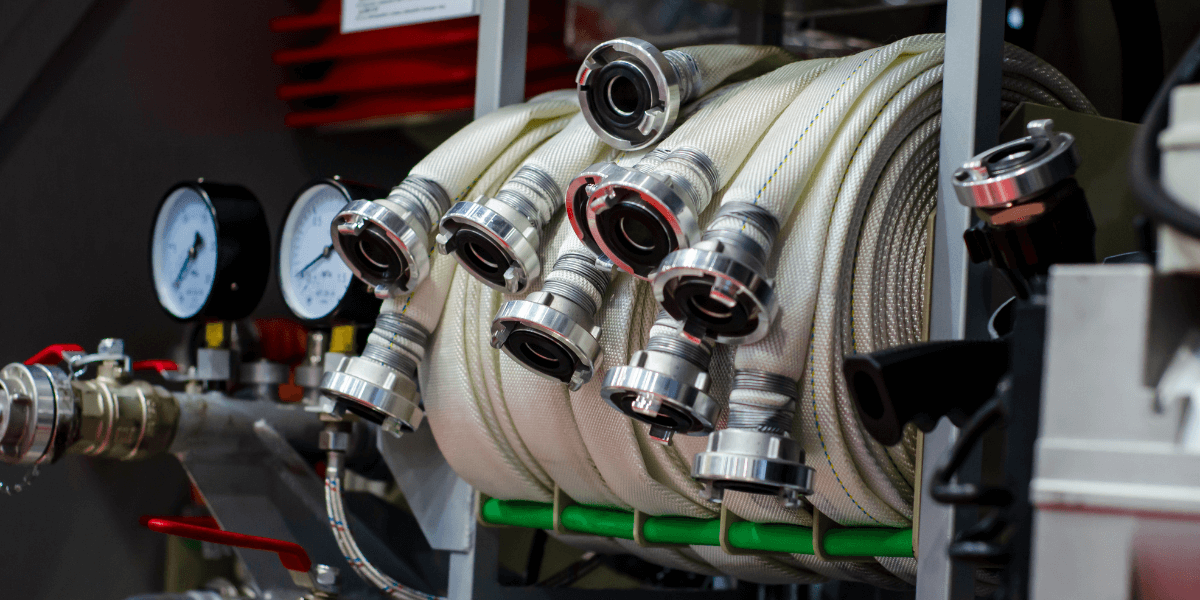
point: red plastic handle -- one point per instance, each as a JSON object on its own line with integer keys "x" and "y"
{"x": 205, "y": 529}
{"x": 155, "y": 364}
{"x": 52, "y": 354}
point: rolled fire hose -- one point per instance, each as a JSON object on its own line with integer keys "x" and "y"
{"x": 864, "y": 286}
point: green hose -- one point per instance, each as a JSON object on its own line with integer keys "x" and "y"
{"x": 763, "y": 537}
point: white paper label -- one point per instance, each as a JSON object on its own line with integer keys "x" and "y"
{"x": 363, "y": 15}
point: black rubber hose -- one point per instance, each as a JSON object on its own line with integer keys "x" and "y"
{"x": 1145, "y": 161}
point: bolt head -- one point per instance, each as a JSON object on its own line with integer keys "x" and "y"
{"x": 111, "y": 346}
{"x": 326, "y": 575}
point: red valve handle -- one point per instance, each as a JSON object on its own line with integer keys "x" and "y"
{"x": 155, "y": 364}
{"x": 205, "y": 529}
{"x": 52, "y": 354}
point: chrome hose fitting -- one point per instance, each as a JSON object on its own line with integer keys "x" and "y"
{"x": 380, "y": 385}
{"x": 497, "y": 239}
{"x": 37, "y": 407}
{"x": 554, "y": 332}
{"x": 386, "y": 242}
{"x": 755, "y": 453}
{"x": 639, "y": 217}
{"x": 630, "y": 92}
{"x": 666, "y": 384}
{"x": 585, "y": 185}
{"x": 719, "y": 288}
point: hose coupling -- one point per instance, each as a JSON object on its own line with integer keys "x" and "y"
{"x": 386, "y": 242}
{"x": 666, "y": 384}
{"x": 630, "y": 92}
{"x": 755, "y": 453}
{"x": 497, "y": 239}
{"x": 719, "y": 288}
{"x": 639, "y": 217}
{"x": 554, "y": 332}
{"x": 380, "y": 385}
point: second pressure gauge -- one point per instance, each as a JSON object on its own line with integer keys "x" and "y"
{"x": 210, "y": 251}
{"x": 317, "y": 285}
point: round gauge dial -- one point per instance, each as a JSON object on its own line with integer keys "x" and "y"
{"x": 315, "y": 281}
{"x": 209, "y": 251}
{"x": 184, "y": 257}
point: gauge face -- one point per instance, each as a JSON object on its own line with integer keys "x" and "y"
{"x": 183, "y": 254}
{"x": 312, "y": 277}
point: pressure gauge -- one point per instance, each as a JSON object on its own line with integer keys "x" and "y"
{"x": 317, "y": 285}
{"x": 210, "y": 252}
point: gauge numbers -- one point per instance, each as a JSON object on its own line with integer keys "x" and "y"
{"x": 312, "y": 276}
{"x": 183, "y": 253}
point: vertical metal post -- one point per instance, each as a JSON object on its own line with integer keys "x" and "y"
{"x": 970, "y": 124}
{"x": 500, "y": 66}
{"x": 760, "y": 22}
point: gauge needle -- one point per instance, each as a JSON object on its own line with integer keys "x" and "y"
{"x": 195, "y": 249}
{"x": 323, "y": 255}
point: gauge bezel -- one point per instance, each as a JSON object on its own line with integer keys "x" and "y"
{"x": 358, "y": 305}
{"x": 243, "y": 248}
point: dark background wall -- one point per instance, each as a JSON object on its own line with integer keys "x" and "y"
{"x": 106, "y": 103}
{"x": 132, "y": 96}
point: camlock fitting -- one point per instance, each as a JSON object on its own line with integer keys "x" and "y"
{"x": 666, "y": 384}
{"x": 386, "y": 242}
{"x": 755, "y": 453}
{"x": 639, "y": 216}
{"x": 380, "y": 385}
{"x": 554, "y": 332}
{"x": 497, "y": 239}
{"x": 719, "y": 288}
{"x": 630, "y": 92}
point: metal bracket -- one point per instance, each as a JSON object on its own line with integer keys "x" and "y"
{"x": 561, "y": 501}
{"x": 639, "y": 535}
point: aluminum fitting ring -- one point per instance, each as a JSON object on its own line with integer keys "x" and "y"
{"x": 1017, "y": 170}
{"x": 37, "y": 405}
{"x": 578, "y": 195}
{"x": 629, "y": 93}
{"x": 374, "y": 392}
{"x": 494, "y": 241}
{"x": 754, "y": 462}
{"x": 663, "y": 401}
{"x": 540, "y": 334}
{"x": 383, "y": 244}
{"x": 719, "y": 291}
{"x": 638, "y": 219}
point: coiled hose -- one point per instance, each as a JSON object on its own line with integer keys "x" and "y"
{"x": 849, "y": 171}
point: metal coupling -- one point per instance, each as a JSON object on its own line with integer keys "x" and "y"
{"x": 666, "y": 384}
{"x": 639, "y": 217}
{"x": 554, "y": 332}
{"x": 386, "y": 242}
{"x": 719, "y": 288}
{"x": 1018, "y": 171}
{"x": 630, "y": 92}
{"x": 755, "y": 453}
{"x": 37, "y": 410}
{"x": 497, "y": 239}
{"x": 381, "y": 384}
